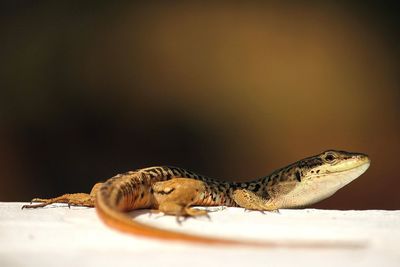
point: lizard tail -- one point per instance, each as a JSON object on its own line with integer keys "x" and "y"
{"x": 122, "y": 222}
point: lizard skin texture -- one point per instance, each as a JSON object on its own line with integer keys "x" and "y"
{"x": 174, "y": 191}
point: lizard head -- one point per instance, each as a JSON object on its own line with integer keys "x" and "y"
{"x": 324, "y": 174}
{"x": 318, "y": 177}
{"x": 335, "y": 161}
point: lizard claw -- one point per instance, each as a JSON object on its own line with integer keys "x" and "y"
{"x": 180, "y": 219}
{"x": 34, "y": 206}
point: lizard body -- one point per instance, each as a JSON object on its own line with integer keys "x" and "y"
{"x": 174, "y": 191}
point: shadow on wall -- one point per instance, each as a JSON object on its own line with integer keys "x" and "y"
{"x": 232, "y": 91}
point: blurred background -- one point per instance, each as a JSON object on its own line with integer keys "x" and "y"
{"x": 230, "y": 90}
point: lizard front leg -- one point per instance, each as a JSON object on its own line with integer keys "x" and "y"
{"x": 76, "y": 199}
{"x": 175, "y": 196}
{"x": 278, "y": 197}
{"x": 251, "y": 201}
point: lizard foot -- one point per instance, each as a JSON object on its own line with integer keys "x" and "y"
{"x": 188, "y": 212}
{"x": 78, "y": 199}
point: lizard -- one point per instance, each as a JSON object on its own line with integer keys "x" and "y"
{"x": 174, "y": 191}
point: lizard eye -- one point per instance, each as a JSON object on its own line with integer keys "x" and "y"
{"x": 329, "y": 157}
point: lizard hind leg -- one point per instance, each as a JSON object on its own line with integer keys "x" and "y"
{"x": 175, "y": 196}
{"x": 77, "y": 199}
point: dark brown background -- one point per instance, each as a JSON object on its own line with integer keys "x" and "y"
{"x": 232, "y": 91}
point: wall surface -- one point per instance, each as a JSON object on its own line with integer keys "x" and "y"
{"x": 58, "y": 236}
